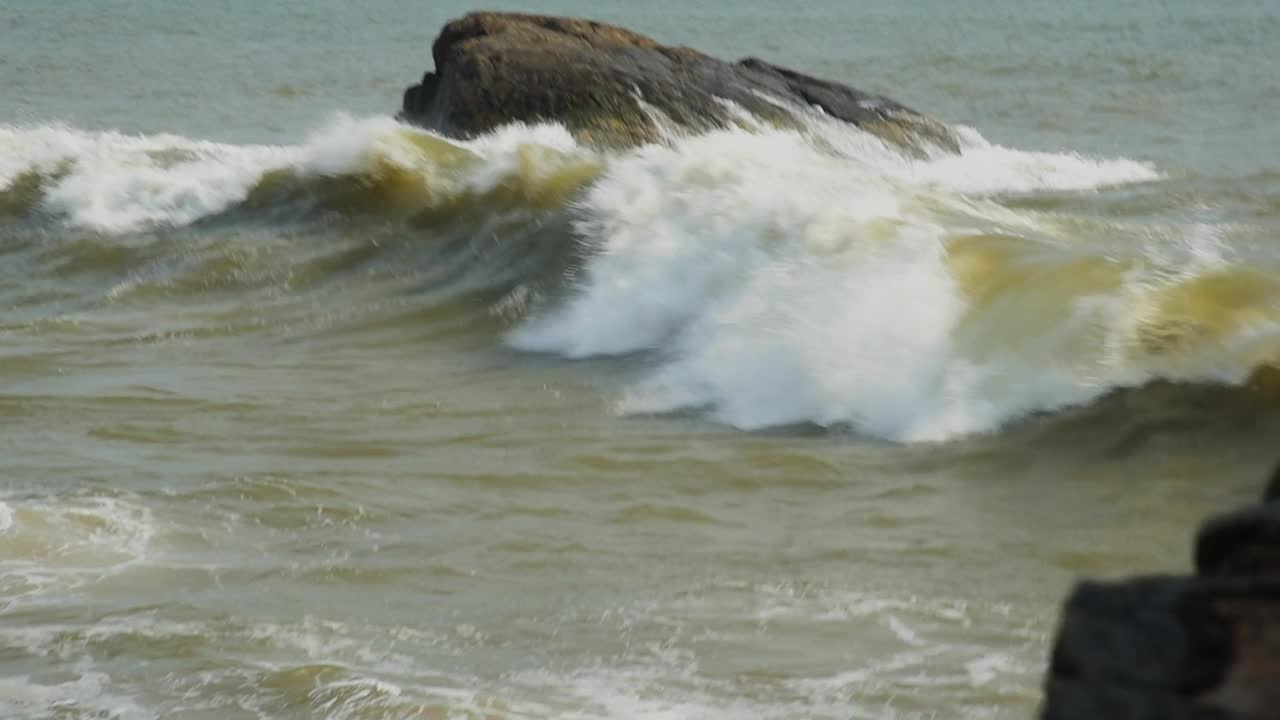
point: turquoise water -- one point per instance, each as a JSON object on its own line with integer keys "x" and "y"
{"x": 305, "y": 413}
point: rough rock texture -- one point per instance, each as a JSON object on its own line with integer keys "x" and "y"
{"x": 1167, "y": 648}
{"x": 1179, "y": 648}
{"x": 1242, "y": 543}
{"x": 604, "y": 83}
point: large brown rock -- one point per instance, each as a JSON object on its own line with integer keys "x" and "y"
{"x": 611, "y": 86}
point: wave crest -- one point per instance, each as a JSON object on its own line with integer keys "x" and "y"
{"x": 784, "y": 278}
{"x": 775, "y": 276}
{"x": 115, "y": 183}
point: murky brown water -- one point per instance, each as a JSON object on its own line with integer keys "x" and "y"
{"x": 359, "y": 423}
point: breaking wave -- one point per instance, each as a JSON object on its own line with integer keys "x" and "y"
{"x": 116, "y": 183}
{"x": 773, "y": 277}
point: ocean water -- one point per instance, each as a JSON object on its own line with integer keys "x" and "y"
{"x": 305, "y": 413}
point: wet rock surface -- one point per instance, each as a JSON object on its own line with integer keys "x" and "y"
{"x": 613, "y": 87}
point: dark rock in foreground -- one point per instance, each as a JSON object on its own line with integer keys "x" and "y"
{"x": 1179, "y": 648}
{"x": 1163, "y": 648}
{"x": 1245, "y": 542}
{"x": 604, "y": 84}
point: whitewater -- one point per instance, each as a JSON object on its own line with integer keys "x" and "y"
{"x": 307, "y": 413}
{"x": 778, "y": 277}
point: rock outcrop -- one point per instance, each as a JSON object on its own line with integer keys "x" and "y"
{"x": 613, "y": 87}
{"x": 1203, "y": 647}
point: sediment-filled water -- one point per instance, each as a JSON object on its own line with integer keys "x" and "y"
{"x": 308, "y": 413}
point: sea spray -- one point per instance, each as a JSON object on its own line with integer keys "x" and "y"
{"x": 823, "y": 277}
{"x": 775, "y": 276}
{"x": 116, "y": 183}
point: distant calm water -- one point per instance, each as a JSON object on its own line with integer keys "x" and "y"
{"x": 306, "y": 414}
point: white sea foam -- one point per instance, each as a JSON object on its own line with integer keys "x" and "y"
{"x": 781, "y": 276}
{"x": 115, "y": 183}
{"x": 985, "y": 168}
{"x": 910, "y": 648}
{"x": 789, "y": 278}
{"x": 59, "y": 544}
{"x": 669, "y": 663}
{"x": 89, "y": 695}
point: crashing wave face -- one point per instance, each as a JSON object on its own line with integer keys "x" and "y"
{"x": 774, "y": 277}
